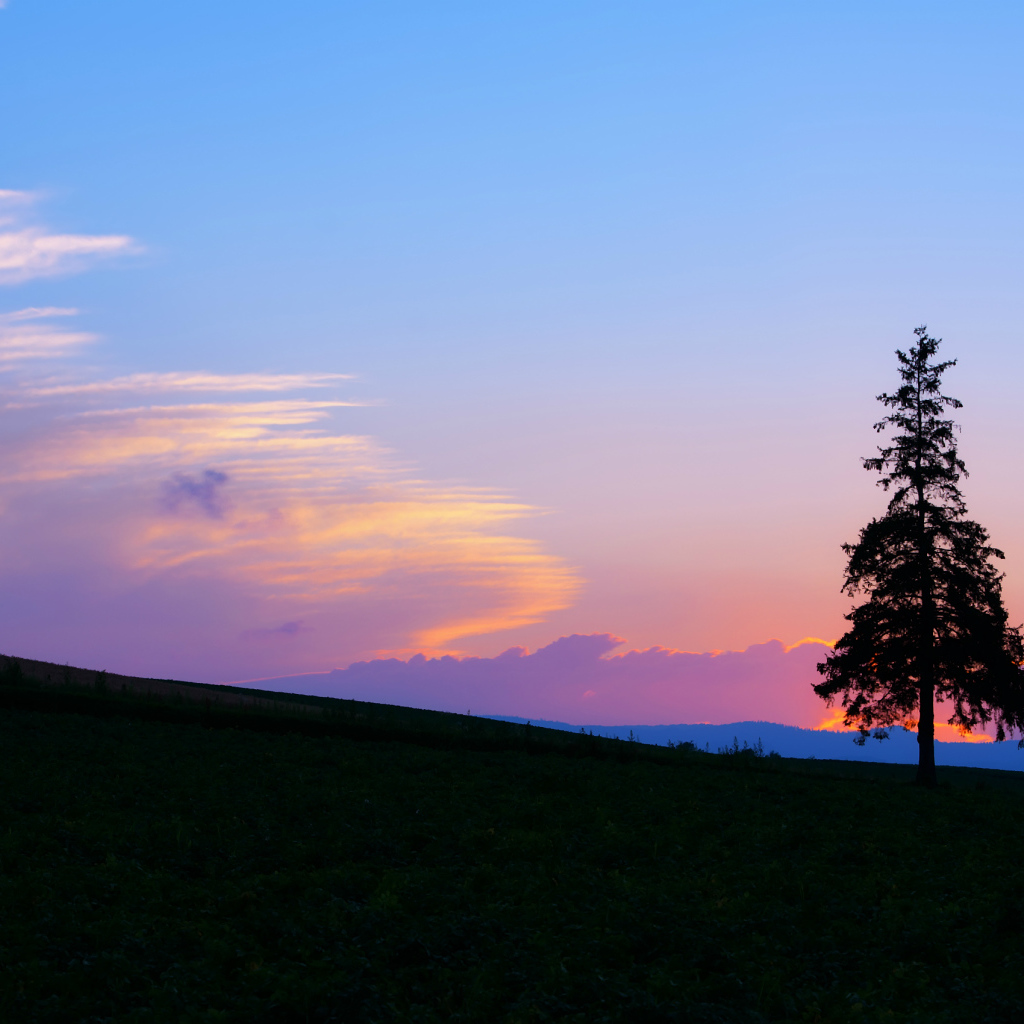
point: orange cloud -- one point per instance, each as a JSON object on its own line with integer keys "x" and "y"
{"x": 264, "y": 501}
{"x": 810, "y": 640}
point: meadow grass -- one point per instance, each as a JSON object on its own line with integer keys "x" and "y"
{"x": 153, "y": 871}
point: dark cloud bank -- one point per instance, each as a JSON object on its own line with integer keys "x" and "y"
{"x": 577, "y": 681}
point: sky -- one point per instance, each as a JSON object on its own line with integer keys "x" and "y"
{"x": 333, "y": 332}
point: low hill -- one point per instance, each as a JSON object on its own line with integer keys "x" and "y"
{"x": 45, "y": 686}
{"x": 30, "y": 685}
{"x": 304, "y": 865}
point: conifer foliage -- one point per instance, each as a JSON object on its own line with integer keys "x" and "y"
{"x": 933, "y": 626}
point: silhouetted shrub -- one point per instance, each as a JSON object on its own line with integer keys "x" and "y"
{"x": 746, "y": 751}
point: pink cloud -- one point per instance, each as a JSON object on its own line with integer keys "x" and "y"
{"x": 578, "y": 679}
{"x": 235, "y": 535}
{"x": 23, "y": 337}
{"x": 28, "y": 251}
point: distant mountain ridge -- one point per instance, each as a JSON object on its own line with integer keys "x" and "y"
{"x": 299, "y": 693}
{"x": 792, "y": 741}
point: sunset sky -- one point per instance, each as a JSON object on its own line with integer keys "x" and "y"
{"x": 333, "y": 332}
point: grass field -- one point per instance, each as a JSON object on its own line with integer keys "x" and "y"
{"x": 155, "y": 871}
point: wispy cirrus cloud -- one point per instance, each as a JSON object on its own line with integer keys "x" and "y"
{"x": 29, "y": 250}
{"x": 11, "y": 199}
{"x": 27, "y": 334}
{"x": 213, "y": 526}
{"x": 222, "y": 383}
{"x": 174, "y": 533}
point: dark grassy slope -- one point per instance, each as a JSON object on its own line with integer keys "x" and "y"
{"x": 153, "y": 871}
{"x": 28, "y": 685}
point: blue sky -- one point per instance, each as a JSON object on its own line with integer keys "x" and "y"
{"x": 638, "y": 266}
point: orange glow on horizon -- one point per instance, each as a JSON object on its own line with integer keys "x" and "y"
{"x": 945, "y": 733}
{"x": 833, "y": 722}
{"x": 954, "y": 734}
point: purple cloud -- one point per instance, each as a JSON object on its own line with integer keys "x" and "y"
{"x": 203, "y": 492}
{"x": 284, "y": 630}
{"x": 577, "y": 679}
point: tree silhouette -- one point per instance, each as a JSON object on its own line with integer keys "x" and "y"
{"x": 933, "y": 625}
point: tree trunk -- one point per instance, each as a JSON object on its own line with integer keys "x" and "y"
{"x": 926, "y": 737}
{"x": 926, "y": 690}
{"x": 926, "y": 655}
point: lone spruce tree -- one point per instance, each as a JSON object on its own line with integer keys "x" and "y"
{"x": 933, "y": 626}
